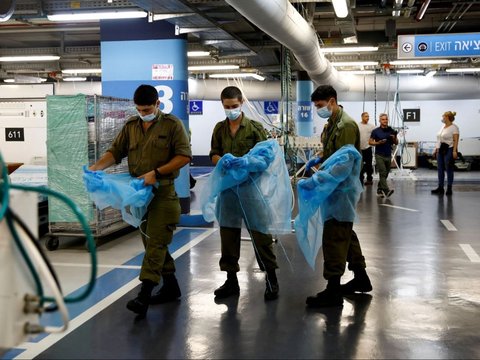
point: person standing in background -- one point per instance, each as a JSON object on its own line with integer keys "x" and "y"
{"x": 367, "y": 153}
{"x": 383, "y": 138}
{"x": 446, "y": 151}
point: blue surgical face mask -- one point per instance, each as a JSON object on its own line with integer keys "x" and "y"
{"x": 233, "y": 114}
{"x": 324, "y": 113}
{"x": 148, "y": 117}
{"x": 443, "y": 121}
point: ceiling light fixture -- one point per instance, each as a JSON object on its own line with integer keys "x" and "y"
{"x": 198, "y": 53}
{"x": 340, "y": 7}
{"x": 9, "y": 80}
{"x": 75, "y": 78}
{"x": 462, "y": 70}
{"x": 28, "y": 58}
{"x": 422, "y": 10}
{"x": 358, "y": 72}
{"x": 98, "y": 15}
{"x": 355, "y": 63}
{"x": 348, "y": 49}
{"x": 420, "y": 62}
{"x": 236, "y": 75}
{"x": 409, "y": 71}
{"x": 213, "y": 67}
{"x": 82, "y": 71}
{"x": 431, "y": 73}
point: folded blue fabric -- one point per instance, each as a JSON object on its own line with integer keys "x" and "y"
{"x": 254, "y": 188}
{"x": 120, "y": 191}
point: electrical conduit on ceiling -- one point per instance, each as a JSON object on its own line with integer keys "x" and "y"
{"x": 280, "y": 20}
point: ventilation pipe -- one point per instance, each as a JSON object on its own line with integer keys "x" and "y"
{"x": 289, "y": 28}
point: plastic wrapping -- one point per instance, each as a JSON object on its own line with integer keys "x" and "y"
{"x": 120, "y": 191}
{"x": 332, "y": 192}
{"x": 80, "y": 129}
{"x": 255, "y": 187}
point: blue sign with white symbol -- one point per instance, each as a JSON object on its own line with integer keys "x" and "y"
{"x": 438, "y": 46}
{"x": 270, "y": 107}
{"x": 196, "y": 107}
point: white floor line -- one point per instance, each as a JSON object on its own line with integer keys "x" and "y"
{"x": 34, "y": 349}
{"x": 471, "y": 254}
{"x": 399, "y": 207}
{"x": 105, "y": 266}
{"x": 448, "y": 225}
{"x": 245, "y": 238}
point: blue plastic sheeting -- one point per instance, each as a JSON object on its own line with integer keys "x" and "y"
{"x": 332, "y": 192}
{"x": 255, "y": 187}
{"x": 120, "y": 191}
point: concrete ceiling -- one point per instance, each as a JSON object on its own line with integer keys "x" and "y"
{"x": 215, "y": 26}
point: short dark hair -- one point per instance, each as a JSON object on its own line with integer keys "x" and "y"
{"x": 231, "y": 92}
{"x": 145, "y": 95}
{"x": 324, "y": 92}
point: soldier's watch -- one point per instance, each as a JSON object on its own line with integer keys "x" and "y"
{"x": 157, "y": 173}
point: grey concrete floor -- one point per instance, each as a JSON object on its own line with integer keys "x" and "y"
{"x": 422, "y": 256}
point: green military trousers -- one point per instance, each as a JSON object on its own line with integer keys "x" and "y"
{"x": 262, "y": 243}
{"x": 340, "y": 244}
{"x": 157, "y": 232}
{"x": 383, "y": 164}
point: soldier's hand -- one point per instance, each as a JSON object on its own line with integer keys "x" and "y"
{"x": 148, "y": 178}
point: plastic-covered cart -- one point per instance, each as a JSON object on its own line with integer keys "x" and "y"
{"x": 80, "y": 129}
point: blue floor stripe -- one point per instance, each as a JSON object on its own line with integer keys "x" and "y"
{"x": 112, "y": 281}
{"x": 10, "y": 354}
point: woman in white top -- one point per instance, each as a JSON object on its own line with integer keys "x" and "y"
{"x": 446, "y": 151}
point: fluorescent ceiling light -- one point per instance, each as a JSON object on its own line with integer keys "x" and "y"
{"x": 420, "y": 62}
{"x": 82, "y": 71}
{"x": 355, "y": 63}
{"x": 236, "y": 75}
{"x": 75, "y": 78}
{"x": 348, "y": 49}
{"x": 462, "y": 70}
{"x": 358, "y": 72}
{"x": 9, "y": 80}
{"x": 98, "y": 15}
{"x": 409, "y": 71}
{"x": 350, "y": 40}
{"x": 431, "y": 73}
{"x": 213, "y": 67}
{"x": 340, "y": 7}
{"x": 198, "y": 53}
{"x": 29, "y": 58}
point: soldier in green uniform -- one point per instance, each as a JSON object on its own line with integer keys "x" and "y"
{"x": 236, "y": 135}
{"x": 157, "y": 146}
{"x": 340, "y": 242}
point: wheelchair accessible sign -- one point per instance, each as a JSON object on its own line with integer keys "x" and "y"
{"x": 195, "y": 107}
{"x": 270, "y": 107}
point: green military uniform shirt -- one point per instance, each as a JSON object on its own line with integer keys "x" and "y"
{"x": 340, "y": 130}
{"x": 249, "y": 133}
{"x": 150, "y": 149}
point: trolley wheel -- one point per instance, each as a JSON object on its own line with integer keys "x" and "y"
{"x": 51, "y": 243}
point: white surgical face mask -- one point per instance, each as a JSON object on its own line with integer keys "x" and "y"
{"x": 324, "y": 113}
{"x": 148, "y": 117}
{"x": 233, "y": 114}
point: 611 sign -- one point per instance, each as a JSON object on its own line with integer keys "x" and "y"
{"x": 14, "y": 134}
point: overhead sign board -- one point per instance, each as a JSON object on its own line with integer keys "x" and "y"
{"x": 438, "y": 46}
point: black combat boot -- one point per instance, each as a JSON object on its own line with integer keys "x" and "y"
{"x": 360, "y": 283}
{"x": 438, "y": 191}
{"x": 271, "y": 289}
{"x": 170, "y": 291}
{"x": 449, "y": 190}
{"x": 331, "y": 296}
{"x": 139, "y": 305}
{"x": 229, "y": 288}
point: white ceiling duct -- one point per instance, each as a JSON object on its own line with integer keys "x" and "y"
{"x": 280, "y": 20}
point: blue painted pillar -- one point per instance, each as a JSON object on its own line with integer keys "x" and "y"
{"x": 136, "y": 52}
{"x": 304, "y": 105}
